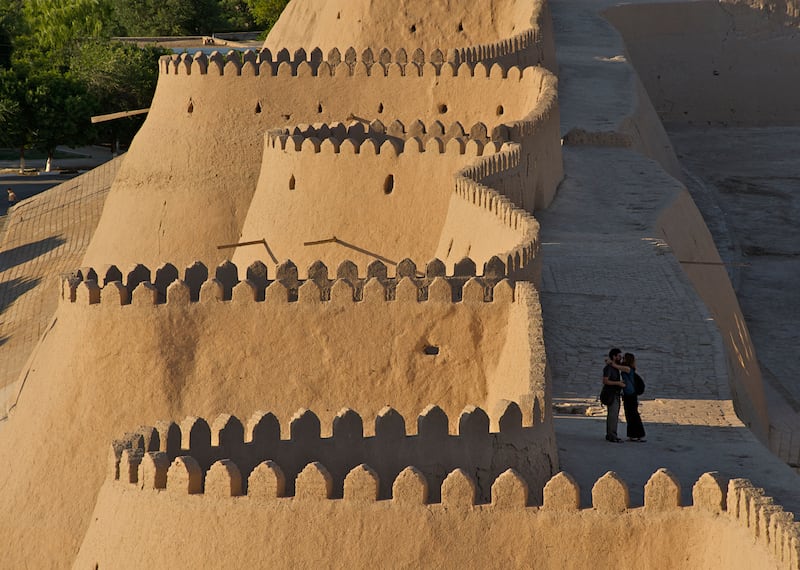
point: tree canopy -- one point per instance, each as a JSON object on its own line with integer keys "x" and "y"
{"x": 58, "y": 64}
{"x": 266, "y": 12}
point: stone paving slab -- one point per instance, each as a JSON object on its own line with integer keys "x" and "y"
{"x": 45, "y": 236}
{"x": 625, "y": 288}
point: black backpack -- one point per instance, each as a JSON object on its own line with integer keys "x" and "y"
{"x": 638, "y": 384}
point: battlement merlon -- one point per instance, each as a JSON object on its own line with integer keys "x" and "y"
{"x": 350, "y": 285}
{"x": 386, "y": 63}
{"x": 454, "y": 138}
{"x": 360, "y": 130}
{"x": 748, "y": 506}
{"x": 734, "y": 523}
{"x": 226, "y": 433}
{"x": 435, "y": 446}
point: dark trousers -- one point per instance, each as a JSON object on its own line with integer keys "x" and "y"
{"x": 612, "y": 418}
{"x": 631, "y": 406}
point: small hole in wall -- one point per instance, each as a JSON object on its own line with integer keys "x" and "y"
{"x": 442, "y": 108}
{"x": 413, "y": 28}
{"x": 338, "y": 15}
{"x": 190, "y": 108}
{"x": 461, "y": 26}
{"x": 292, "y": 183}
{"x": 319, "y": 108}
{"x": 258, "y": 107}
{"x": 388, "y": 185}
{"x": 431, "y": 350}
{"x": 380, "y": 107}
{"x": 500, "y": 110}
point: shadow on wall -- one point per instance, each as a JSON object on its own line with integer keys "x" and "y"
{"x": 24, "y": 253}
{"x": 12, "y": 290}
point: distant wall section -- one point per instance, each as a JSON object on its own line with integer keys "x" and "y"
{"x": 715, "y": 62}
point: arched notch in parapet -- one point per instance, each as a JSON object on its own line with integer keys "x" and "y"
{"x": 476, "y": 61}
{"x": 347, "y": 446}
{"x": 768, "y": 523}
{"x": 438, "y": 138}
{"x": 199, "y": 285}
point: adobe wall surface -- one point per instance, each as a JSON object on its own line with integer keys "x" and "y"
{"x": 738, "y": 529}
{"x": 196, "y": 161}
{"x": 414, "y": 190}
{"x": 369, "y": 24}
{"x": 715, "y": 62}
{"x": 393, "y": 203}
{"x": 140, "y": 362}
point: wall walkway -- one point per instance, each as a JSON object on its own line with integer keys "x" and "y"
{"x": 610, "y": 278}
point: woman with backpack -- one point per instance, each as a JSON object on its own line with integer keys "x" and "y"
{"x": 634, "y": 386}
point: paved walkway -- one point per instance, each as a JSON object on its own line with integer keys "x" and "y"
{"x": 608, "y": 280}
{"x": 45, "y": 235}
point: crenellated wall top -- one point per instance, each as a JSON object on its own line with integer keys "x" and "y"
{"x": 458, "y": 63}
{"x": 138, "y": 285}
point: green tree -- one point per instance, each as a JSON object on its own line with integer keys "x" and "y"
{"x": 120, "y": 77}
{"x": 235, "y": 15}
{"x": 266, "y": 12}
{"x": 11, "y": 25}
{"x": 58, "y": 24}
{"x": 16, "y": 117}
{"x": 167, "y": 17}
{"x": 62, "y": 109}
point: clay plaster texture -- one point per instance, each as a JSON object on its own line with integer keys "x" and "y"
{"x": 733, "y": 527}
{"x": 429, "y": 26}
{"x": 398, "y": 155}
{"x": 137, "y": 339}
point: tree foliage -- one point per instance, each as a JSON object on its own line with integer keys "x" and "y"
{"x": 120, "y": 77}
{"x": 57, "y": 24}
{"x": 62, "y": 110}
{"x": 58, "y": 65}
{"x": 16, "y": 126}
{"x": 11, "y": 26}
{"x": 266, "y": 12}
{"x": 167, "y": 17}
{"x": 42, "y": 109}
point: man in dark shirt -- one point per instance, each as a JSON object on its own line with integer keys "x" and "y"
{"x": 612, "y": 378}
